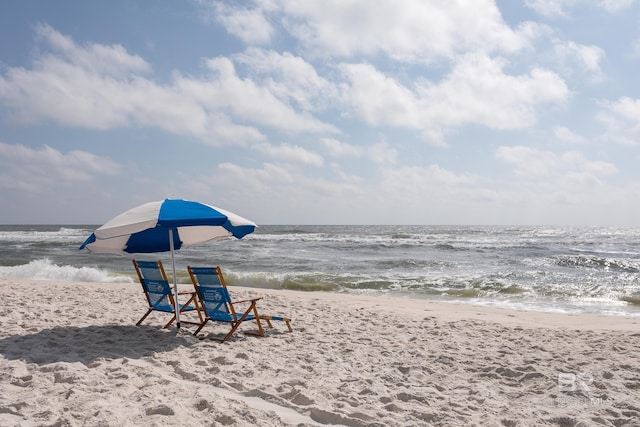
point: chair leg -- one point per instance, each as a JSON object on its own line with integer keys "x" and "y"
{"x": 237, "y": 323}
{"x": 149, "y": 312}
{"x": 234, "y": 326}
{"x": 257, "y": 317}
{"x": 144, "y": 317}
{"x": 199, "y": 309}
{"x": 201, "y": 326}
{"x": 268, "y": 321}
{"x": 173, "y": 318}
{"x": 193, "y": 300}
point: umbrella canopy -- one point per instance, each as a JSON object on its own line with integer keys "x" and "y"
{"x": 143, "y": 229}
{"x": 166, "y": 226}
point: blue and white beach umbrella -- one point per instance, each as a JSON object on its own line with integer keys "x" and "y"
{"x": 165, "y": 226}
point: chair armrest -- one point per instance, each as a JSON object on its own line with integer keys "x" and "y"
{"x": 247, "y": 300}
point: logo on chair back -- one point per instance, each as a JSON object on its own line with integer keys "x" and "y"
{"x": 213, "y": 294}
{"x": 157, "y": 286}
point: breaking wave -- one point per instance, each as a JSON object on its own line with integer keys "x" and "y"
{"x": 44, "y": 269}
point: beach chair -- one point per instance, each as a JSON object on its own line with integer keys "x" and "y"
{"x": 157, "y": 290}
{"x": 218, "y": 306}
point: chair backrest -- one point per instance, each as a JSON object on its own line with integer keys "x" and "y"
{"x": 213, "y": 293}
{"x": 154, "y": 282}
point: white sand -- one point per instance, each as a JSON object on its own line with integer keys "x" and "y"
{"x": 70, "y": 355}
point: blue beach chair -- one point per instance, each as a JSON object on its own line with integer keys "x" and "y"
{"x": 158, "y": 292}
{"x": 218, "y": 306}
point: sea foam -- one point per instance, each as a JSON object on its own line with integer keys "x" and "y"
{"x": 44, "y": 269}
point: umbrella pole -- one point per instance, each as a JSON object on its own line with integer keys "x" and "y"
{"x": 175, "y": 281}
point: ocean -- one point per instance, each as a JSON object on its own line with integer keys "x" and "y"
{"x": 553, "y": 269}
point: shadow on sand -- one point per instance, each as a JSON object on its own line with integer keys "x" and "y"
{"x": 90, "y": 343}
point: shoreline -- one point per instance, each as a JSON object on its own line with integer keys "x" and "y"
{"x": 70, "y": 354}
{"x": 445, "y": 310}
{"x": 617, "y": 303}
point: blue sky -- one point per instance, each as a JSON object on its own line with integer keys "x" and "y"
{"x": 326, "y": 112}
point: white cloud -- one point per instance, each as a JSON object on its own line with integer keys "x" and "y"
{"x": 613, "y": 6}
{"x": 573, "y": 160}
{"x": 622, "y": 120}
{"x": 380, "y": 153}
{"x": 268, "y": 174}
{"x": 528, "y": 161}
{"x": 33, "y": 170}
{"x": 291, "y": 153}
{"x": 378, "y": 99}
{"x": 561, "y": 187}
{"x": 112, "y": 60}
{"x": 567, "y": 136}
{"x": 562, "y": 8}
{"x": 551, "y": 8}
{"x": 396, "y": 195}
{"x": 280, "y": 93}
{"x": 248, "y": 100}
{"x": 341, "y": 149}
{"x": 89, "y": 95}
{"x": 417, "y": 184}
{"x": 289, "y": 78}
{"x": 571, "y": 193}
{"x": 96, "y": 87}
{"x": 476, "y": 91}
{"x": 219, "y": 129}
{"x": 586, "y": 58}
{"x": 534, "y": 163}
{"x": 250, "y": 26}
{"x": 282, "y": 195}
{"x": 418, "y": 31}
{"x": 430, "y": 194}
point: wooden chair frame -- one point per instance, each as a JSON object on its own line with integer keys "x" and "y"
{"x": 251, "y": 313}
{"x": 162, "y": 284}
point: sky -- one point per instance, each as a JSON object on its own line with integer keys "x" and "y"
{"x": 509, "y": 112}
